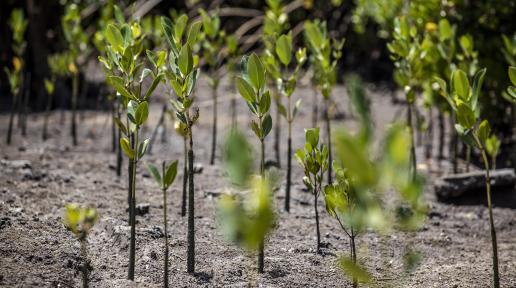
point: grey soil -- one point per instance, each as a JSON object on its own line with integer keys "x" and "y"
{"x": 37, "y": 251}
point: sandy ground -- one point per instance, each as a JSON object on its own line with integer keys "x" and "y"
{"x": 37, "y": 179}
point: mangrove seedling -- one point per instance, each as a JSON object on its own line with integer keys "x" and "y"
{"x": 213, "y": 41}
{"x": 252, "y": 88}
{"x": 164, "y": 180}
{"x": 49, "y": 87}
{"x": 463, "y": 99}
{"x": 275, "y": 23}
{"x": 182, "y": 74}
{"x": 181, "y": 130}
{"x": 125, "y": 74}
{"x": 18, "y": 25}
{"x": 80, "y": 220}
{"x": 277, "y": 66}
{"x": 325, "y": 54}
{"x": 314, "y": 160}
{"x": 77, "y": 42}
{"x": 245, "y": 219}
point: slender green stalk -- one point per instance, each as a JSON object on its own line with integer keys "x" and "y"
{"x": 413, "y": 160}
{"x": 165, "y": 224}
{"x": 214, "y": 125}
{"x": 191, "y": 206}
{"x": 47, "y": 115}
{"x": 75, "y": 91}
{"x": 84, "y": 255}
{"x": 289, "y": 156}
{"x": 132, "y": 208}
{"x": 261, "y": 250}
{"x": 119, "y": 158}
{"x": 496, "y": 275}
{"x": 185, "y": 178}
{"x": 328, "y": 139}
{"x": 11, "y": 119}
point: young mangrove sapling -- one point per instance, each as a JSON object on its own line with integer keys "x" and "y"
{"x": 124, "y": 59}
{"x": 463, "y": 99}
{"x": 80, "y": 220}
{"x": 326, "y": 54}
{"x": 277, "y": 67}
{"x": 182, "y": 76}
{"x": 252, "y": 88}
{"x": 18, "y": 25}
{"x": 213, "y": 40}
{"x": 164, "y": 180}
{"x": 314, "y": 160}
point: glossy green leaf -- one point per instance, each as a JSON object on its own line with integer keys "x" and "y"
{"x": 484, "y": 130}
{"x": 118, "y": 83}
{"x": 185, "y": 60}
{"x": 193, "y": 33}
{"x": 155, "y": 173}
{"x": 265, "y": 103}
{"x": 170, "y": 174}
{"x": 142, "y": 148}
{"x": 312, "y": 136}
{"x": 512, "y": 75}
{"x": 461, "y": 84}
{"x": 245, "y": 89}
{"x": 256, "y": 71}
{"x": 284, "y": 49}
{"x": 126, "y": 147}
{"x": 266, "y": 125}
{"x": 465, "y": 115}
{"x": 115, "y": 38}
{"x": 478, "y": 80}
{"x": 141, "y": 113}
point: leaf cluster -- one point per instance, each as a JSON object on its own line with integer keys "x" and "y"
{"x": 251, "y": 87}
{"x": 325, "y": 54}
{"x": 314, "y": 160}
{"x": 167, "y": 175}
{"x": 79, "y": 220}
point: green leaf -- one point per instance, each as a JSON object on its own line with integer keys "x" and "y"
{"x": 478, "y": 80}
{"x": 185, "y": 60}
{"x": 445, "y": 29}
{"x": 193, "y": 33}
{"x": 180, "y": 26}
{"x": 296, "y": 107}
{"x": 141, "y": 113}
{"x": 265, "y": 103}
{"x": 461, "y": 84}
{"x": 153, "y": 86}
{"x": 167, "y": 26}
{"x": 483, "y": 131}
{"x": 120, "y": 125}
{"x": 142, "y": 148}
{"x": 465, "y": 115}
{"x": 114, "y": 37}
{"x": 284, "y": 49}
{"x": 49, "y": 86}
{"x": 312, "y": 136}
{"x": 354, "y": 270}
{"x": 126, "y": 147}
{"x": 245, "y": 89}
{"x": 256, "y": 129}
{"x": 155, "y": 173}
{"x": 170, "y": 175}
{"x": 118, "y": 84}
{"x": 256, "y": 71}
{"x": 266, "y": 125}
{"x": 512, "y": 75}
{"x": 281, "y": 109}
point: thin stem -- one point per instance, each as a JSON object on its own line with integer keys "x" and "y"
{"x": 11, "y": 118}
{"x": 214, "y": 126}
{"x": 185, "y": 178}
{"x": 328, "y": 140}
{"x": 75, "y": 91}
{"x": 191, "y": 206}
{"x": 132, "y": 207}
{"x": 84, "y": 255}
{"x": 25, "y": 107}
{"x": 412, "y": 144}
{"x": 354, "y": 256}
{"x": 317, "y": 222}
{"x": 289, "y": 157}
{"x": 496, "y": 275}
{"x": 119, "y": 158}
{"x": 315, "y": 107}
{"x": 47, "y": 116}
{"x": 261, "y": 253}
{"x": 165, "y": 224}
{"x": 277, "y": 134}
{"x": 113, "y": 127}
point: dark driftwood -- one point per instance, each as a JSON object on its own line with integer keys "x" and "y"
{"x": 456, "y": 185}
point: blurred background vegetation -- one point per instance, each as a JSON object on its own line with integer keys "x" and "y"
{"x": 367, "y": 26}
